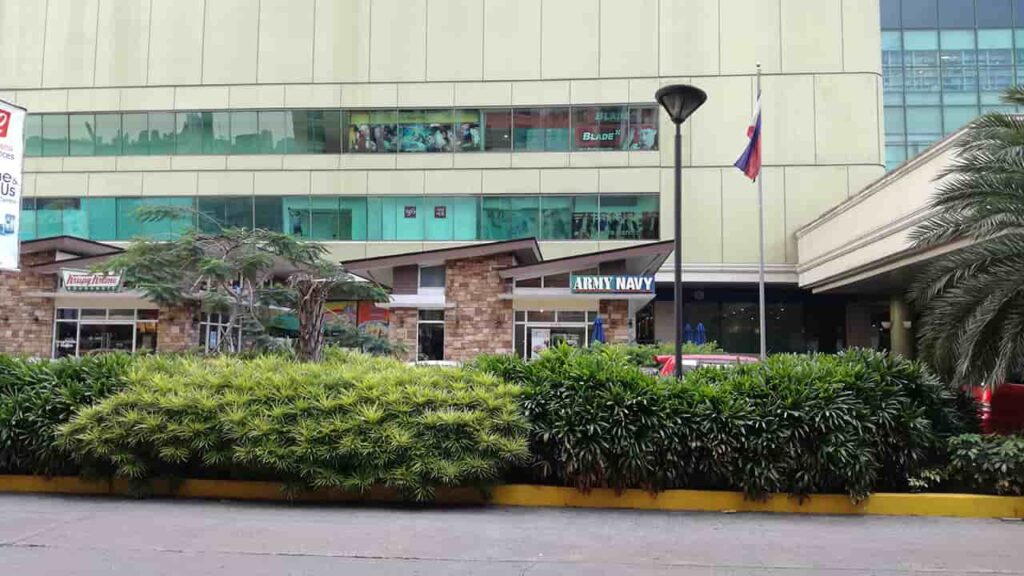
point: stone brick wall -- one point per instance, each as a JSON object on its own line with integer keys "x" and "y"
{"x": 615, "y": 314}
{"x": 26, "y": 323}
{"x": 402, "y": 329}
{"x": 477, "y": 321}
{"x": 177, "y": 330}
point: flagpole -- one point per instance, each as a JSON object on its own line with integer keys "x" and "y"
{"x": 760, "y": 213}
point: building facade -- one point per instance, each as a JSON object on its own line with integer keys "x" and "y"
{"x": 945, "y": 62}
{"x": 383, "y": 127}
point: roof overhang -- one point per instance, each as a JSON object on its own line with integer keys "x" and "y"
{"x": 77, "y": 247}
{"x": 639, "y": 260}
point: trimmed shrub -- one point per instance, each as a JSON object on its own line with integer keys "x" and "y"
{"x": 643, "y": 354}
{"x": 800, "y": 424}
{"x": 350, "y": 422}
{"x": 36, "y": 397}
{"x": 987, "y": 464}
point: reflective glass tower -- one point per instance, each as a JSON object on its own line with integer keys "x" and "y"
{"x": 944, "y": 63}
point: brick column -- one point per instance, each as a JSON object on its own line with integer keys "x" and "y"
{"x": 615, "y": 314}
{"x": 477, "y": 321}
{"x": 177, "y": 331}
{"x": 26, "y": 323}
{"x": 402, "y": 328}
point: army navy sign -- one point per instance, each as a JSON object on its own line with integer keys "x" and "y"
{"x": 12, "y": 150}
{"x": 611, "y": 284}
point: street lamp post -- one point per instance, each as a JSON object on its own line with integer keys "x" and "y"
{"x": 680, "y": 101}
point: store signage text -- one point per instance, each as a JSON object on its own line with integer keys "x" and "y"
{"x": 90, "y": 282}
{"x": 612, "y": 284}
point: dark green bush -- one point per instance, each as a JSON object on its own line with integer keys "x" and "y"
{"x": 643, "y": 354}
{"x": 799, "y": 424}
{"x": 350, "y": 422}
{"x": 986, "y": 464}
{"x": 36, "y": 397}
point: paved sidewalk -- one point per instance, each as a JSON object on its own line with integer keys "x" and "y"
{"x": 44, "y": 535}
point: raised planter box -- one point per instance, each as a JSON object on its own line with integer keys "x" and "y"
{"x": 960, "y": 505}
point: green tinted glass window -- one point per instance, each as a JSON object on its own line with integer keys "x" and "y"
{"x": 295, "y": 211}
{"x": 628, "y": 218}
{"x": 245, "y": 133}
{"x": 135, "y": 131}
{"x": 81, "y": 135}
{"x": 162, "y": 129}
{"x": 267, "y": 213}
{"x": 353, "y": 218}
{"x": 55, "y": 135}
{"x": 108, "y": 135}
{"x": 102, "y": 218}
{"x": 276, "y": 132}
{"x": 217, "y": 139}
{"x": 510, "y": 217}
{"x": 225, "y": 211}
{"x": 33, "y": 135}
{"x": 569, "y": 217}
{"x": 191, "y": 128}
{"x": 27, "y": 224}
{"x": 451, "y": 217}
{"x": 395, "y": 218}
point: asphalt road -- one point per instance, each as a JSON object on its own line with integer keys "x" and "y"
{"x": 54, "y": 535}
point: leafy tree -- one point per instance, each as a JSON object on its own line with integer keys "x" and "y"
{"x": 247, "y": 275}
{"x": 972, "y": 299}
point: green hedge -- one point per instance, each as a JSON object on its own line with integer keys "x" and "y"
{"x": 986, "y": 464}
{"x": 349, "y": 422}
{"x": 643, "y": 354}
{"x": 36, "y": 397}
{"x": 800, "y": 424}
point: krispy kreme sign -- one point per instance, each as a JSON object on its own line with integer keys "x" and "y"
{"x": 75, "y": 281}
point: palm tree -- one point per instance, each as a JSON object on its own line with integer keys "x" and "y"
{"x": 972, "y": 299}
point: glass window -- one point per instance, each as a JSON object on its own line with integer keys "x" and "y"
{"x": 135, "y": 129}
{"x": 1018, "y": 12}
{"x": 316, "y": 131}
{"x": 33, "y": 135}
{"x": 919, "y": 14}
{"x": 326, "y": 219}
{"x": 890, "y": 14}
{"x": 993, "y": 81}
{"x": 430, "y": 340}
{"x": 540, "y": 129}
{"x": 130, "y": 224}
{"x": 924, "y": 121}
{"x": 81, "y": 135}
{"x": 451, "y": 217}
{"x": 191, "y": 128}
{"x": 556, "y": 129}
{"x": 569, "y": 217}
{"x": 469, "y": 135}
{"x": 245, "y": 133}
{"x": 27, "y": 229}
{"x": 629, "y": 218}
{"x": 395, "y": 218}
{"x": 960, "y": 85}
{"x": 956, "y": 13}
{"x": 994, "y": 13}
{"x": 268, "y": 213}
{"x": 643, "y": 128}
{"x": 217, "y": 139}
{"x": 894, "y": 121}
{"x": 162, "y": 130}
{"x": 498, "y": 129}
{"x": 894, "y": 156}
{"x": 371, "y": 131}
{"x": 50, "y": 216}
{"x": 432, "y": 276}
{"x": 102, "y": 214}
{"x": 956, "y": 117}
{"x": 425, "y": 130}
{"x": 227, "y": 211}
{"x": 277, "y": 134}
{"x": 295, "y": 210}
{"x": 108, "y": 135}
{"x": 55, "y": 135}
{"x": 510, "y": 217}
{"x": 600, "y": 128}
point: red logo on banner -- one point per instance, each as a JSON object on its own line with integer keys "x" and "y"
{"x": 5, "y": 121}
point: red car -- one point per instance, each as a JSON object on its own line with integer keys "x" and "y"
{"x": 1001, "y": 409}
{"x": 693, "y": 361}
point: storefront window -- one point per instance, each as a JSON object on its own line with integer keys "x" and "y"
{"x": 217, "y": 335}
{"x": 510, "y": 217}
{"x": 469, "y": 133}
{"x": 224, "y": 211}
{"x": 629, "y": 218}
{"x": 425, "y": 130}
{"x": 541, "y": 130}
{"x": 100, "y": 330}
{"x": 643, "y": 128}
{"x": 430, "y": 335}
{"x": 498, "y": 130}
{"x": 395, "y": 218}
{"x": 451, "y": 217}
{"x": 569, "y": 217}
{"x": 600, "y": 128}
{"x": 538, "y": 330}
{"x": 372, "y": 131}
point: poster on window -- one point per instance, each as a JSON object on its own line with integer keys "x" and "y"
{"x": 410, "y": 211}
{"x": 371, "y": 132}
{"x": 440, "y": 212}
{"x": 643, "y": 129}
{"x": 540, "y": 340}
{"x": 373, "y": 320}
{"x": 601, "y": 128}
{"x": 12, "y": 150}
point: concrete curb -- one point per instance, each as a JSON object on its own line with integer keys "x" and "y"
{"x": 956, "y": 505}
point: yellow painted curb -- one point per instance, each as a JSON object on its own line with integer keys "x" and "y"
{"x": 958, "y": 505}
{"x": 961, "y": 505}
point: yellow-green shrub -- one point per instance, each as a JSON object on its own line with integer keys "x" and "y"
{"x": 349, "y": 422}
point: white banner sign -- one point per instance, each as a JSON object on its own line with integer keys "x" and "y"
{"x": 12, "y": 154}
{"x": 75, "y": 281}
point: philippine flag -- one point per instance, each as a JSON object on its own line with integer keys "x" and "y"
{"x": 750, "y": 161}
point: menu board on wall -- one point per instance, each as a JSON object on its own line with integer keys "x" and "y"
{"x": 540, "y": 341}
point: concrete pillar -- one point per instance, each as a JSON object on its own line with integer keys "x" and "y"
{"x": 901, "y": 336}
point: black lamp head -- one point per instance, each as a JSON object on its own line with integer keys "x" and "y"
{"x": 680, "y": 100}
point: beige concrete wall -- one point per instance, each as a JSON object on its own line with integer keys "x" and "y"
{"x": 822, "y": 88}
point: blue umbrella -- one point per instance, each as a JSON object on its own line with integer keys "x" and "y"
{"x": 687, "y": 333}
{"x": 597, "y": 333}
{"x": 702, "y": 335}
